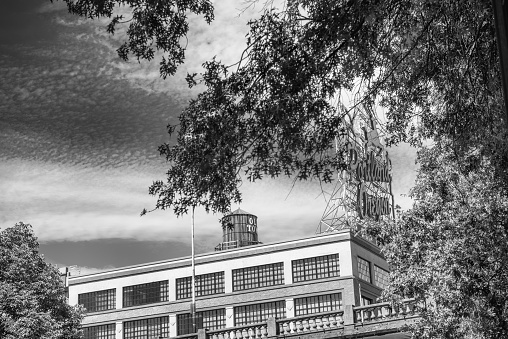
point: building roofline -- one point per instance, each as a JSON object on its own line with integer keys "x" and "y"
{"x": 208, "y": 257}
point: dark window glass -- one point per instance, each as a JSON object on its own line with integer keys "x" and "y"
{"x": 258, "y": 276}
{"x": 99, "y": 332}
{"x": 210, "y": 320}
{"x": 381, "y": 277}
{"x": 146, "y": 328}
{"x": 364, "y": 269}
{"x": 98, "y": 300}
{"x": 325, "y": 266}
{"x": 206, "y": 284}
{"x": 318, "y": 304}
{"x": 145, "y": 293}
{"x": 251, "y": 314}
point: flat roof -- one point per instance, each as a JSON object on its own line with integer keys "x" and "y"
{"x": 208, "y": 257}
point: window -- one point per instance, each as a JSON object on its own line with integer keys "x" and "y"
{"x": 206, "y": 284}
{"x": 364, "y": 269}
{"x": 98, "y": 301}
{"x": 381, "y": 277}
{"x": 318, "y": 304}
{"x": 366, "y": 301}
{"x": 211, "y": 320}
{"x": 251, "y": 314}
{"x": 325, "y": 266}
{"x": 258, "y": 276}
{"x": 99, "y": 332}
{"x": 145, "y": 293}
{"x": 146, "y": 328}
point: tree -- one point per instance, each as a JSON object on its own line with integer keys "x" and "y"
{"x": 434, "y": 67}
{"x": 32, "y": 295}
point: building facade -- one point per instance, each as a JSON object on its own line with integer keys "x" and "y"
{"x": 234, "y": 287}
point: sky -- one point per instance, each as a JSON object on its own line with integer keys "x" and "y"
{"x": 79, "y": 131}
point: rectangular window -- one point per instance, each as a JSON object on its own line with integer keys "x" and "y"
{"x": 381, "y": 277}
{"x": 318, "y": 304}
{"x": 99, "y": 332}
{"x": 366, "y": 301}
{"x": 98, "y": 300}
{"x": 364, "y": 269}
{"x": 325, "y": 266}
{"x": 251, "y": 314}
{"x": 146, "y": 328}
{"x": 210, "y": 320}
{"x": 145, "y": 293}
{"x": 258, "y": 276}
{"x": 206, "y": 284}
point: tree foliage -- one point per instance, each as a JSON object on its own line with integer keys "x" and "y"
{"x": 32, "y": 296}
{"x": 158, "y": 25}
{"x": 434, "y": 67}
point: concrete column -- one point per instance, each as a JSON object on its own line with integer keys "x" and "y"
{"x": 230, "y": 316}
{"x": 228, "y": 281}
{"x": 290, "y": 308}
{"x": 118, "y": 330}
{"x": 288, "y": 272}
{"x": 271, "y": 327}
{"x": 172, "y": 325}
{"x": 201, "y": 333}
{"x": 119, "y": 297}
{"x": 172, "y": 289}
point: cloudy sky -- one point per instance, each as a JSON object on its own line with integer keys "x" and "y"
{"x": 79, "y": 131}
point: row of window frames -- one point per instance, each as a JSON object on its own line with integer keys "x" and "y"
{"x": 216, "y": 319}
{"x": 213, "y": 283}
{"x": 381, "y": 276}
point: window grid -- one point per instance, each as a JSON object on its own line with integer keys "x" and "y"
{"x": 206, "y": 284}
{"x": 381, "y": 277}
{"x": 99, "y": 332}
{"x": 251, "y": 314}
{"x": 98, "y": 300}
{"x": 210, "y": 320}
{"x": 318, "y": 304}
{"x": 325, "y": 266}
{"x": 146, "y": 328}
{"x": 145, "y": 293}
{"x": 364, "y": 269}
{"x": 258, "y": 276}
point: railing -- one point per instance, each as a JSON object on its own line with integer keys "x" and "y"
{"x": 188, "y": 336}
{"x": 311, "y": 323}
{"x": 253, "y": 331}
{"x": 385, "y": 311}
{"x": 350, "y": 319}
{"x": 227, "y": 245}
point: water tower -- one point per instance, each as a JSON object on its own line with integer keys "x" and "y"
{"x": 239, "y": 229}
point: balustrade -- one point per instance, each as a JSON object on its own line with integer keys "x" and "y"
{"x": 382, "y": 311}
{"x": 255, "y": 331}
{"x": 311, "y": 323}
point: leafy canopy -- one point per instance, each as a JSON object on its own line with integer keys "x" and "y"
{"x": 32, "y": 296}
{"x": 434, "y": 67}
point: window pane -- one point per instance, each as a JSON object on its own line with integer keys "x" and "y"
{"x": 146, "y": 328}
{"x": 98, "y": 300}
{"x": 318, "y": 304}
{"x": 145, "y": 293}
{"x": 381, "y": 277}
{"x": 325, "y": 266}
{"x": 99, "y": 332}
{"x": 258, "y": 276}
{"x": 210, "y": 320}
{"x": 206, "y": 284}
{"x": 364, "y": 269}
{"x": 251, "y": 314}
